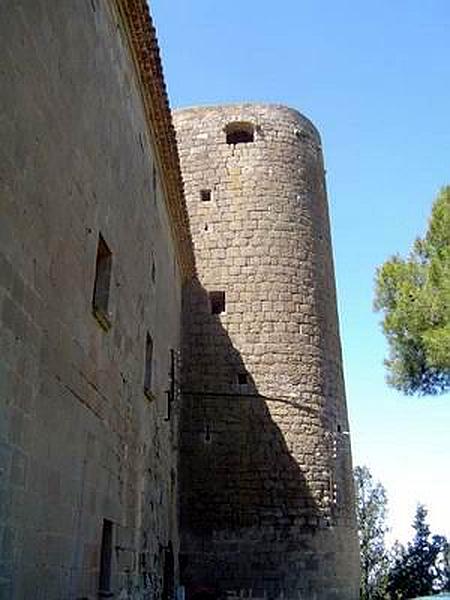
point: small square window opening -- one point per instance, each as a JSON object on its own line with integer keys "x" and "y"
{"x": 217, "y": 302}
{"x": 239, "y": 132}
{"x": 205, "y": 195}
{"x": 242, "y": 378}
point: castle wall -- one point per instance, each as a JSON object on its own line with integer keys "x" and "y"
{"x": 80, "y": 441}
{"x": 266, "y": 483}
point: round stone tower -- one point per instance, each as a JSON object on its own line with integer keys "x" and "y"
{"x": 267, "y": 504}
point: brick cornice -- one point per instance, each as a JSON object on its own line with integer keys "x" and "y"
{"x": 139, "y": 29}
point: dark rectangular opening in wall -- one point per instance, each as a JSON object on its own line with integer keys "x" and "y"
{"x": 205, "y": 195}
{"x": 217, "y": 302}
{"x": 242, "y": 378}
{"x": 102, "y": 283}
{"x": 104, "y": 582}
{"x": 153, "y": 271}
{"x": 148, "y": 366}
{"x": 154, "y": 180}
{"x": 239, "y": 132}
{"x": 168, "y": 573}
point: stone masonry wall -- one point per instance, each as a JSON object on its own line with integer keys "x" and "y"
{"x": 266, "y": 482}
{"x": 80, "y": 442}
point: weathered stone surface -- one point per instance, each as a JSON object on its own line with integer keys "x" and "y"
{"x": 88, "y": 148}
{"x": 266, "y": 480}
{"x": 80, "y": 442}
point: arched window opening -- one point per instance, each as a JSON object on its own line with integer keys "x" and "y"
{"x": 240, "y": 132}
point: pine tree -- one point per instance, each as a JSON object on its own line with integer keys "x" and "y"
{"x": 418, "y": 569}
{"x": 414, "y": 295}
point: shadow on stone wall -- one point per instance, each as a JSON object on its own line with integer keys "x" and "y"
{"x": 243, "y": 496}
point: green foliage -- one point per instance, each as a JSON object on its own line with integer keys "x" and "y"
{"x": 414, "y": 294}
{"x": 371, "y": 508}
{"x": 422, "y": 567}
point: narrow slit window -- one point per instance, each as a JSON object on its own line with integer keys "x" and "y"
{"x": 104, "y": 583}
{"x": 239, "y": 133}
{"x": 154, "y": 180}
{"x": 205, "y": 195}
{"x": 168, "y": 573}
{"x": 102, "y": 283}
{"x": 148, "y": 366}
{"x": 217, "y": 302}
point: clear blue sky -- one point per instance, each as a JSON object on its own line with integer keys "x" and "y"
{"x": 375, "y": 79}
